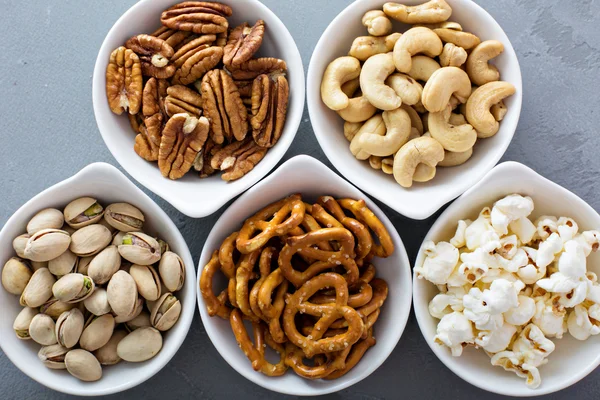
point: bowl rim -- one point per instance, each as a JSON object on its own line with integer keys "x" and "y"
{"x": 401, "y": 316}
{"x": 188, "y": 309}
{"x": 421, "y": 310}
{"x": 188, "y": 206}
{"x": 424, "y": 210}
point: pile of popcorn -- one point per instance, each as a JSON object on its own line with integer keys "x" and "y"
{"x": 507, "y": 284}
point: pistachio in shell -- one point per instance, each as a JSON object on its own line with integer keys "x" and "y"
{"x": 139, "y": 248}
{"x": 73, "y": 288}
{"x": 54, "y": 307}
{"x": 139, "y": 306}
{"x": 16, "y": 273}
{"x": 48, "y": 218}
{"x": 107, "y": 354}
{"x": 47, "y": 244}
{"x": 165, "y": 312}
{"x": 140, "y": 321}
{"x": 118, "y": 238}
{"x": 38, "y": 289}
{"x": 97, "y": 303}
{"x": 42, "y": 330}
{"x": 104, "y": 265}
{"x": 19, "y": 244}
{"x": 83, "y": 212}
{"x": 124, "y": 217}
{"x": 122, "y": 293}
{"x": 172, "y": 271}
{"x": 164, "y": 246}
{"x": 53, "y": 356}
{"x": 83, "y": 365}
{"x": 90, "y": 240}
{"x": 38, "y": 264}
{"x": 23, "y": 321}
{"x": 83, "y": 263}
{"x": 63, "y": 264}
{"x": 97, "y": 332}
{"x": 140, "y": 345}
{"x": 147, "y": 281}
{"x": 69, "y": 327}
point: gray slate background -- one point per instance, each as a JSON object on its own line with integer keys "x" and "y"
{"x": 48, "y": 133}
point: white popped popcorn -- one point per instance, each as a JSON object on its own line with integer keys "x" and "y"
{"x": 440, "y": 260}
{"x": 485, "y": 308}
{"x": 567, "y": 228}
{"x": 509, "y": 209}
{"x": 572, "y": 261}
{"x": 548, "y": 249}
{"x": 550, "y": 316}
{"x": 511, "y": 361}
{"x": 480, "y": 233}
{"x": 524, "y": 229}
{"x": 589, "y": 240}
{"x": 521, "y": 314}
{"x": 496, "y": 340}
{"x": 584, "y": 322}
{"x": 445, "y": 303}
{"x": 459, "y": 240}
{"x": 455, "y": 330}
{"x": 546, "y": 225}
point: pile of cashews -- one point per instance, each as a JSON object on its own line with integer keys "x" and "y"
{"x": 420, "y": 99}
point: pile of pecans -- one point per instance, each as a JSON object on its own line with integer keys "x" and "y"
{"x": 194, "y": 92}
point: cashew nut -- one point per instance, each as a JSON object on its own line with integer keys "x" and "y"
{"x": 364, "y": 47}
{"x": 377, "y": 23}
{"x": 457, "y": 119}
{"x": 422, "y": 150}
{"x": 477, "y": 66}
{"x": 427, "y": 13}
{"x": 453, "y": 56}
{"x": 372, "y": 82}
{"x": 359, "y": 109}
{"x": 350, "y": 87}
{"x": 499, "y": 110}
{"x": 454, "y": 138}
{"x": 398, "y": 129}
{"x": 414, "y": 41}
{"x": 465, "y": 40}
{"x": 444, "y": 83}
{"x": 351, "y": 129}
{"x": 441, "y": 25}
{"x": 406, "y": 87}
{"x": 422, "y": 68}
{"x": 385, "y": 164}
{"x": 340, "y": 71}
{"x": 480, "y": 102}
{"x": 424, "y": 173}
{"x": 415, "y": 118}
{"x": 451, "y": 158}
{"x": 374, "y": 126}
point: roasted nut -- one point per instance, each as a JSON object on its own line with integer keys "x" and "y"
{"x": 38, "y": 289}
{"x": 397, "y": 130}
{"x": 97, "y": 303}
{"x": 465, "y": 40}
{"x": 140, "y": 345}
{"x": 406, "y": 87}
{"x": 19, "y": 244}
{"x": 137, "y": 309}
{"x": 197, "y": 65}
{"x": 270, "y": 96}
{"x": 46, "y": 244}
{"x": 414, "y": 41}
{"x": 174, "y": 38}
{"x": 480, "y": 102}
{"x": 244, "y": 41}
{"x": 63, "y": 264}
{"x": 385, "y": 164}
{"x": 338, "y": 72}
{"x": 107, "y": 354}
{"x": 48, "y": 218}
{"x": 83, "y": 264}
{"x": 197, "y": 16}
{"x": 208, "y": 153}
{"x": 422, "y": 68}
{"x": 452, "y": 159}
{"x": 223, "y": 106}
{"x": 82, "y": 212}
{"x": 142, "y": 320}
{"x": 90, "y": 240}
{"x": 427, "y": 13}
{"x": 479, "y": 70}
{"x": 69, "y": 327}
{"x": 455, "y": 138}
{"x": 147, "y": 141}
{"x": 377, "y": 23}
{"x": 97, "y": 332}
{"x": 182, "y": 139}
{"x": 415, "y": 119}
{"x": 41, "y": 330}
{"x": 444, "y": 83}
{"x": 124, "y": 217}
{"x": 374, "y": 126}
{"x": 122, "y": 293}
{"x": 359, "y": 109}
{"x": 83, "y": 365}
{"x": 147, "y": 281}
{"x": 237, "y": 159}
{"x": 154, "y": 54}
{"x": 453, "y": 56}
{"x": 155, "y": 92}
{"x": 73, "y": 288}
{"x": 54, "y": 307}
{"x": 351, "y": 129}
{"x": 104, "y": 265}
{"x": 165, "y": 312}
{"x": 374, "y": 73}
{"x": 192, "y": 47}
{"x": 15, "y": 275}
{"x": 423, "y": 150}
{"x": 255, "y": 67}
{"x": 245, "y": 88}
{"x": 172, "y": 271}
{"x": 124, "y": 81}
{"x": 499, "y": 110}
{"x": 139, "y": 248}
{"x": 53, "y": 356}
{"x": 181, "y": 99}
{"x": 364, "y": 47}
{"x": 23, "y": 321}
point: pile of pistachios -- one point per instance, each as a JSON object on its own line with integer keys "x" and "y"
{"x": 96, "y": 289}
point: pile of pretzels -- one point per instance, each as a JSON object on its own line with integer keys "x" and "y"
{"x": 302, "y": 275}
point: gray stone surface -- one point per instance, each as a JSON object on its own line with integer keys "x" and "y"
{"x": 48, "y": 133}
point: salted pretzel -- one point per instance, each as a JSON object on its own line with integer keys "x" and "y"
{"x": 330, "y": 363}
{"x": 228, "y": 256}
{"x": 380, "y": 292}
{"x": 243, "y": 275}
{"x": 355, "y": 354}
{"x": 264, "y": 267}
{"x": 327, "y": 313}
{"x": 269, "y": 222}
{"x": 214, "y": 305}
{"x": 361, "y": 296}
{"x": 271, "y": 301}
{"x": 325, "y": 259}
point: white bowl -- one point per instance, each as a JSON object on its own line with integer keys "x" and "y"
{"x": 193, "y": 196}
{"x": 305, "y": 175}
{"x": 572, "y": 360}
{"x": 423, "y": 199}
{"x": 108, "y": 185}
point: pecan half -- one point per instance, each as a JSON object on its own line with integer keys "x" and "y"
{"x": 221, "y": 39}
{"x": 182, "y": 139}
{"x": 195, "y": 63}
{"x": 197, "y": 16}
{"x": 223, "y": 106}
{"x": 147, "y": 141}
{"x": 154, "y": 54}
{"x": 269, "y": 108}
{"x": 244, "y": 41}
{"x": 245, "y": 88}
{"x": 253, "y": 68}
{"x": 172, "y": 37}
{"x": 153, "y": 97}
{"x": 208, "y": 152}
{"x": 237, "y": 159}
{"x": 182, "y": 99}
{"x": 190, "y": 48}
{"x": 124, "y": 81}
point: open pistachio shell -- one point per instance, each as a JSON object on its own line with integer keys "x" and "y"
{"x": 54, "y": 307}
{"x": 42, "y": 330}
{"x": 140, "y": 248}
{"x": 83, "y": 263}
{"x": 19, "y": 244}
{"x": 104, "y": 265}
{"x": 73, "y": 288}
{"x": 48, "y": 218}
{"x": 83, "y": 212}
{"x": 164, "y": 246}
{"x": 53, "y": 356}
{"x": 147, "y": 281}
{"x": 139, "y": 306}
{"x": 124, "y": 217}
{"x": 140, "y": 321}
{"x": 90, "y": 240}
{"x": 97, "y": 333}
{"x": 23, "y": 321}
{"x": 63, "y": 264}
{"x": 122, "y": 293}
{"x": 83, "y": 365}
{"x": 107, "y": 354}
{"x": 140, "y": 345}
{"x": 97, "y": 303}
{"x": 69, "y": 327}
{"x": 118, "y": 238}
{"x": 47, "y": 244}
{"x": 38, "y": 289}
{"x": 165, "y": 312}
{"x": 172, "y": 271}
{"x": 16, "y": 273}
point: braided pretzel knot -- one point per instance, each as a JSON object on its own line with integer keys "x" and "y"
{"x": 271, "y": 301}
{"x": 269, "y": 222}
{"x": 325, "y": 259}
{"x": 327, "y": 313}
{"x": 214, "y": 305}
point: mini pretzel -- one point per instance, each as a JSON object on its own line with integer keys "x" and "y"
{"x": 332, "y": 362}
{"x": 270, "y": 222}
{"x": 363, "y": 295}
{"x": 271, "y": 301}
{"x": 214, "y": 305}
{"x": 327, "y": 313}
{"x": 264, "y": 267}
{"x": 243, "y": 275}
{"x": 227, "y": 251}
{"x": 367, "y": 274}
{"x": 360, "y": 210}
{"x": 354, "y": 356}
{"x": 380, "y": 292}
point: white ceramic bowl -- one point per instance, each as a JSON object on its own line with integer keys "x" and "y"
{"x": 108, "y": 185}
{"x": 305, "y": 175}
{"x": 572, "y": 360}
{"x": 193, "y": 196}
{"x": 423, "y": 199}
